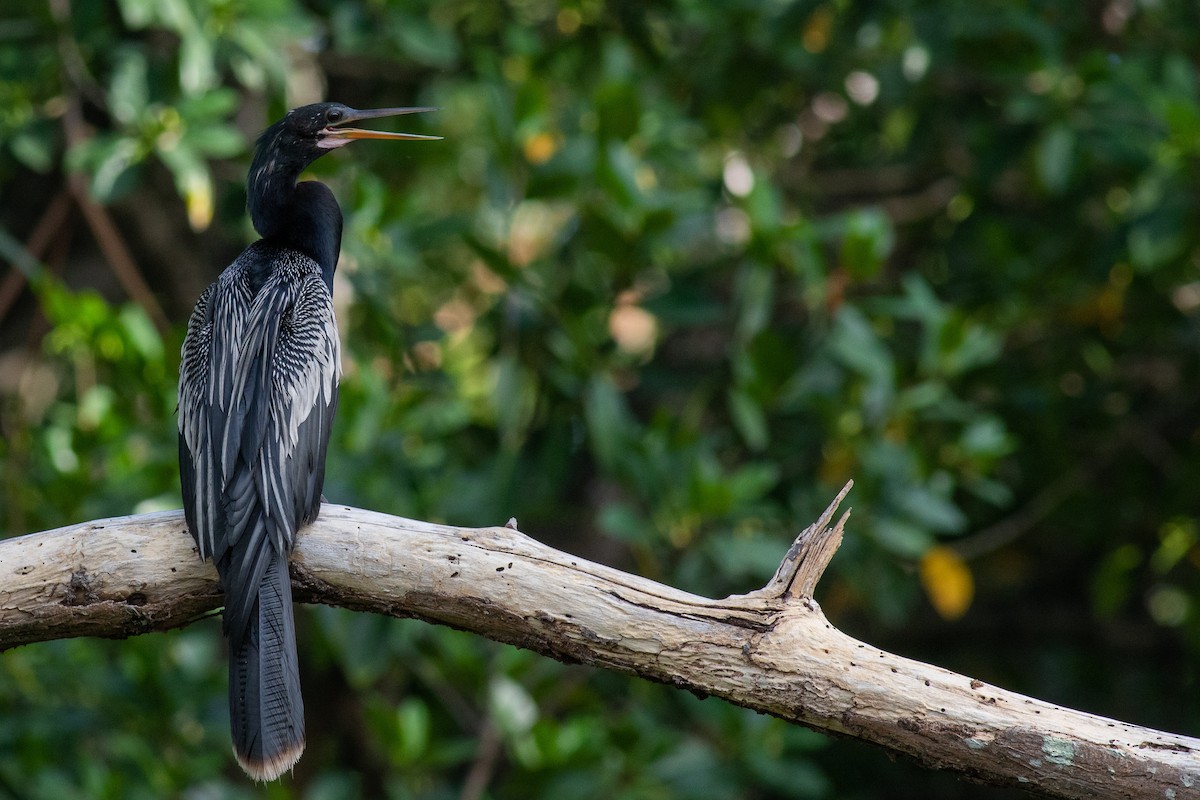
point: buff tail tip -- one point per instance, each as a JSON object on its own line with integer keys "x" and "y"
{"x": 264, "y": 768}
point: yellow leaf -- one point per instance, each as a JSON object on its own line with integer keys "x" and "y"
{"x": 540, "y": 147}
{"x": 948, "y": 582}
{"x": 198, "y": 195}
{"x": 815, "y": 35}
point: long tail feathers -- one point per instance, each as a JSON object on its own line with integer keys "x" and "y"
{"x": 266, "y": 711}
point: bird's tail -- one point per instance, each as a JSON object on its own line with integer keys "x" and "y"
{"x": 266, "y": 711}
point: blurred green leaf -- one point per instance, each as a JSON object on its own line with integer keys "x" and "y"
{"x": 426, "y": 42}
{"x": 930, "y": 509}
{"x": 854, "y": 344}
{"x": 867, "y": 241}
{"x": 901, "y": 537}
{"x": 34, "y": 148}
{"x": 749, "y": 418}
{"x": 129, "y": 92}
{"x": 609, "y": 425}
{"x": 1055, "y": 156}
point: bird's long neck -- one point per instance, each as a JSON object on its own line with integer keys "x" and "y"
{"x": 300, "y": 216}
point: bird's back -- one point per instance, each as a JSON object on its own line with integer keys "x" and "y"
{"x": 258, "y": 386}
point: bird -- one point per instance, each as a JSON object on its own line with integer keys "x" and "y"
{"x": 258, "y": 388}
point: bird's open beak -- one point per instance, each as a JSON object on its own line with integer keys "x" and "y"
{"x": 336, "y": 135}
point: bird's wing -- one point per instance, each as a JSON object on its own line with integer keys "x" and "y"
{"x": 199, "y": 472}
{"x": 285, "y": 395}
{"x": 211, "y": 351}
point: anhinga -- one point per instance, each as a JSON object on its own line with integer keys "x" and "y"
{"x": 258, "y": 386}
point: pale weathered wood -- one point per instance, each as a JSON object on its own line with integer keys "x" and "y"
{"x": 771, "y": 650}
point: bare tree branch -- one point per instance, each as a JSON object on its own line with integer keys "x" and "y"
{"x": 771, "y": 650}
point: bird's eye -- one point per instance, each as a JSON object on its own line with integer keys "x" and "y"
{"x": 334, "y": 115}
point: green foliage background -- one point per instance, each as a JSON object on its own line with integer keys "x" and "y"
{"x": 678, "y": 271}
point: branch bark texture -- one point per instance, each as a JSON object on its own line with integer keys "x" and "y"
{"x": 771, "y": 650}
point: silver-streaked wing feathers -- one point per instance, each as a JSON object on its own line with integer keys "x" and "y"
{"x": 208, "y": 359}
{"x": 284, "y": 395}
{"x": 200, "y": 470}
{"x": 258, "y": 390}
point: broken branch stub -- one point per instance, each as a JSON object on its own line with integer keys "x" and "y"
{"x": 810, "y": 554}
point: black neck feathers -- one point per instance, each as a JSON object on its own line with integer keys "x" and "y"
{"x": 301, "y": 216}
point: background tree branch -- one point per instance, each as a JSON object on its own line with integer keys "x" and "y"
{"x": 771, "y": 650}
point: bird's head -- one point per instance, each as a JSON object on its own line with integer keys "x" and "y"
{"x": 308, "y": 132}
{"x": 325, "y": 125}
